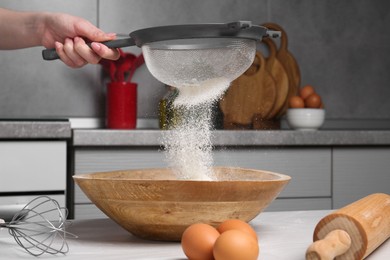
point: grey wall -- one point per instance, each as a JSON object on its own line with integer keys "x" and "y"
{"x": 342, "y": 47}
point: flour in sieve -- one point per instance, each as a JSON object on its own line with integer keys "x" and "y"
{"x": 188, "y": 145}
{"x": 202, "y": 93}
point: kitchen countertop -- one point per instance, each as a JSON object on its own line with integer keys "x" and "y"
{"x": 282, "y": 236}
{"x": 140, "y": 137}
{"x": 35, "y": 129}
{"x": 64, "y": 128}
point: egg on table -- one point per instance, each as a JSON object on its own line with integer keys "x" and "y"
{"x": 236, "y": 245}
{"x": 236, "y": 224}
{"x": 233, "y": 239}
{"x": 198, "y": 240}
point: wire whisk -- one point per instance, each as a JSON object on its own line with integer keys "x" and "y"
{"x": 40, "y": 227}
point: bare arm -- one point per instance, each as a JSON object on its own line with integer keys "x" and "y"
{"x": 18, "y": 29}
{"x": 64, "y": 32}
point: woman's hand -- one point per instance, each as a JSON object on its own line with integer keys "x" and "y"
{"x": 67, "y": 34}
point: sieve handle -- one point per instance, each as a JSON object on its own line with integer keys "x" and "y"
{"x": 51, "y": 54}
{"x": 273, "y": 34}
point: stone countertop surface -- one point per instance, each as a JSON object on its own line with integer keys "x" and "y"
{"x": 106, "y": 137}
{"x": 35, "y": 129}
{"x": 282, "y": 236}
{"x": 62, "y": 129}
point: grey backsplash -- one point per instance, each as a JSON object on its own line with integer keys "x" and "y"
{"x": 342, "y": 47}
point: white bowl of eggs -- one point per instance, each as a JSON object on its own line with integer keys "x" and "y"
{"x": 305, "y": 118}
{"x": 306, "y": 110}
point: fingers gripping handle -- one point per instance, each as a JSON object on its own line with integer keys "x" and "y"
{"x": 51, "y": 54}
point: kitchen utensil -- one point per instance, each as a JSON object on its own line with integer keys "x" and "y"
{"x": 289, "y": 63}
{"x": 352, "y": 232}
{"x": 127, "y": 63}
{"x": 154, "y": 204}
{"x": 166, "y": 36}
{"x": 137, "y": 62}
{"x": 278, "y": 72}
{"x": 7, "y": 212}
{"x": 192, "y": 55}
{"x": 252, "y": 93}
{"x": 40, "y": 227}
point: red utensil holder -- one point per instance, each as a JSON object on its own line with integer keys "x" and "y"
{"x": 121, "y": 105}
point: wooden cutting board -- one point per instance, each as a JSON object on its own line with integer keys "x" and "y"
{"x": 289, "y": 63}
{"x": 276, "y": 69}
{"x": 252, "y": 93}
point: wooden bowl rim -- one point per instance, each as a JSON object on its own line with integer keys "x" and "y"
{"x": 93, "y": 176}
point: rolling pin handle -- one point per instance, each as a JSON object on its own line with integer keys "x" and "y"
{"x": 334, "y": 244}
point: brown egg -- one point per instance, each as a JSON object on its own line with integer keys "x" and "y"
{"x": 236, "y": 245}
{"x": 306, "y": 91}
{"x": 236, "y": 224}
{"x": 313, "y": 101}
{"x": 198, "y": 240}
{"x": 296, "y": 102}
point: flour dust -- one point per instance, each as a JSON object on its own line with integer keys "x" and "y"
{"x": 188, "y": 143}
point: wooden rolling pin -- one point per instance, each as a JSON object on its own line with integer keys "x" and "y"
{"x": 352, "y": 232}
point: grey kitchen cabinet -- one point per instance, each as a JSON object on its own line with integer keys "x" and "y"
{"x": 32, "y": 168}
{"x": 329, "y": 168}
{"x": 358, "y": 172}
{"x": 91, "y": 159}
{"x": 310, "y": 169}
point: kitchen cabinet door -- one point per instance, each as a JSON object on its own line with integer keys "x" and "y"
{"x": 358, "y": 172}
{"x": 309, "y": 168}
{"x": 32, "y": 166}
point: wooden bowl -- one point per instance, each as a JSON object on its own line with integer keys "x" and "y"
{"x": 154, "y": 204}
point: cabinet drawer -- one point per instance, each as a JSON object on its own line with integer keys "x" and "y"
{"x": 358, "y": 172}
{"x": 100, "y": 160}
{"x": 32, "y": 166}
{"x": 300, "y": 204}
{"x": 309, "y": 168}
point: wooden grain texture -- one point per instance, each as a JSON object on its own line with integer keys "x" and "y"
{"x": 367, "y": 222}
{"x": 252, "y": 93}
{"x": 289, "y": 63}
{"x": 153, "y": 204}
{"x": 278, "y": 72}
{"x": 335, "y": 243}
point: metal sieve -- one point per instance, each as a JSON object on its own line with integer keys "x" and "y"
{"x": 187, "y": 55}
{"x": 198, "y": 60}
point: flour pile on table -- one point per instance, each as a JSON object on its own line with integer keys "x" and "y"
{"x": 188, "y": 144}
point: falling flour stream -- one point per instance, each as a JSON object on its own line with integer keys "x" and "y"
{"x": 188, "y": 146}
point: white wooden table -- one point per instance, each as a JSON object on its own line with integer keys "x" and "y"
{"x": 282, "y": 235}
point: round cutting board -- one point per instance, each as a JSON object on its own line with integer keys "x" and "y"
{"x": 254, "y": 92}
{"x": 289, "y": 63}
{"x": 277, "y": 71}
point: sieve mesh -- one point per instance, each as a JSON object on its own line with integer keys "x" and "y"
{"x": 180, "y": 67}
